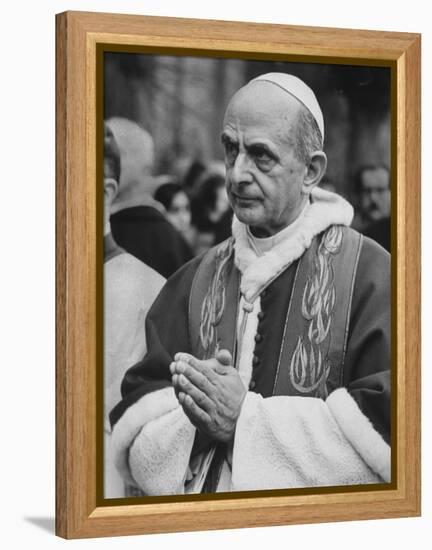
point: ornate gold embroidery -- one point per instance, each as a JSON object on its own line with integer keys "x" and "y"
{"x": 214, "y": 301}
{"x": 310, "y": 366}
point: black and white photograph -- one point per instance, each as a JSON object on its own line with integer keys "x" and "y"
{"x": 247, "y": 275}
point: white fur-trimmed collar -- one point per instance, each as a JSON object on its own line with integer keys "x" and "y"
{"x": 326, "y": 209}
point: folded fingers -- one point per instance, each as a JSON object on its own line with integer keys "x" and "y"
{"x": 196, "y": 414}
{"x": 205, "y": 367}
{"x": 201, "y": 398}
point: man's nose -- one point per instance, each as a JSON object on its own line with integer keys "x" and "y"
{"x": 241, "y": 172}
{"x": 375, "y": 197}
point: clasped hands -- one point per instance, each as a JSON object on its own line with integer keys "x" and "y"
{"x": 210, "y": 391}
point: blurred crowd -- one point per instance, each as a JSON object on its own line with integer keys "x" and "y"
{"x": 165, "y": 220}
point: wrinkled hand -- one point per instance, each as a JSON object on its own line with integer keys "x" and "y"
{"x": 211, "y": 393}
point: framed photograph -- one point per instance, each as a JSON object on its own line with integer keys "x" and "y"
{"x": 238, "y": 274}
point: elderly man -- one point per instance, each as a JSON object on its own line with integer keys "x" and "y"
{"x": 268, "y": 362}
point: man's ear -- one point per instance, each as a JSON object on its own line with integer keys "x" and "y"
{"x": 315, "y": 170}
{"x": 110, "y": 190}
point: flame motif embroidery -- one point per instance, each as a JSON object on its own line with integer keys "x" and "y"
{"x": 214, "y": 301}
{"x": 310, "y": 367}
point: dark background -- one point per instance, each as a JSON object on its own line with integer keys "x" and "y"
{"x": 181, "y": 102}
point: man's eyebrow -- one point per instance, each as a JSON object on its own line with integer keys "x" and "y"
{"x": 262, "y": 145}
{"x": 227, "y": 138}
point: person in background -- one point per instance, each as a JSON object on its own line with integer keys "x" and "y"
{"x": 137, "y": 220}
{"x": 374, "y": 199}
{"x": 192, "y": 175}
{"x": 177, "y": 208}
{"x": 130, "y": 287}
{"x": 211, "y": 213}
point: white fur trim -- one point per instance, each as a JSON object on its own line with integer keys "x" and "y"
{"x": 290, "y": 441}
{"x": 326, "y": 209}
{"x": 147, "y": 409}
{"x": 159, "y": 456}
{"x": 358, "y": 429}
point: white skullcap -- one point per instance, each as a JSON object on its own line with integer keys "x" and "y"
{"x": 299, "y": 90}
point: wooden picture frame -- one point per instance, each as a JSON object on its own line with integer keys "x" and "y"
{"x": 78, "y": 251}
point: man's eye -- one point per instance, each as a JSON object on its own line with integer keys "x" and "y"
{"x": 263, "y": 158}
{"x": 231, "y": 152}
{"x": 261, "y": 154}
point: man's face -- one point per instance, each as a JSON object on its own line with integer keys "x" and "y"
{"x": 179, "y": 213}
{"x": 264, "y": 178}
{"x": 375, "y": 194}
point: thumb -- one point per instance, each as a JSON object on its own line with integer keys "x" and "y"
{"x": 224, "y": 357}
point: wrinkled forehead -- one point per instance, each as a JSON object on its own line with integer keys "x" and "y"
{"x": 261, "y": 102}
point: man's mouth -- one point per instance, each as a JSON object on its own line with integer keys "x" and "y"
{"x": 245, "y": 198}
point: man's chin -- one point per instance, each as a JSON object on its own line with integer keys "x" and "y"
{"x": 376, "y": 216}
{"x": 247, "y": 216}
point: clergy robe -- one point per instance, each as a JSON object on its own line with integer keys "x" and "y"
{"x": 292, "y": 434}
